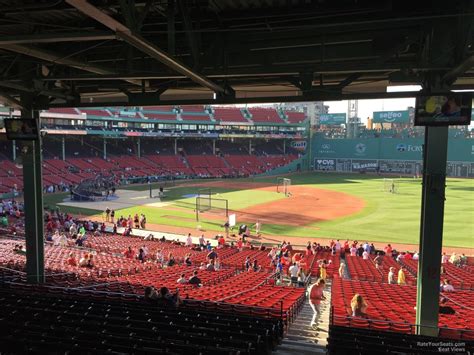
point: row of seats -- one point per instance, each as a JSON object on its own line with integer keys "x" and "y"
{"x": 74, "y": 170}
{"x": 391, "y": 307}
{"x": 459, "y": 277}
{"x": 36, "y": 322}
{"x": 187, "y": 113}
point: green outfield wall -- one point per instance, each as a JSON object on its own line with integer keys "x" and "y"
{"x": 398, "y": 156}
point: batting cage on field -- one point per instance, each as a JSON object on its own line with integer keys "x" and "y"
{"x": 204, "y": 196}
{"x": 219, "y": 206}
{"x": 283, "y": 185}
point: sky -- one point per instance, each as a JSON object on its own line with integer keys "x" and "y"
{"x": 367, "y": 107}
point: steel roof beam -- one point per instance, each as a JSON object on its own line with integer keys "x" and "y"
{"x": 142, "y": 44}
{"x": 57, "y": 37}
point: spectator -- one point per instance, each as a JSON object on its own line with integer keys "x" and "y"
{"x": 255, "y": 266}
{"x": 444, "y": 258}
{"x": 129, "y": 253}
{"x": 189, "y": 241}
{"x": 84, "y": 261}
{"x": 360, "y": 250}
{"x": 187, "y": 260}
{"x": 150, "y": 295}
{"x": 391, "y": 275}
{"x": 212, "y": 255}
{"x": 446, "y": 286}
{"x": 353, "y": 251}
{"x": 342, "y": 267}
{"x": 443, "y": 309}
{"x": 372, "y": 248}
{"x": 195, "y": 280}
{"x": 202, "y": 266}
{"x": 365, "y": 255}
{"x": 358, "y": 306}
{"x": 202, "y": 241}
{"x": 182, "y": 279}
{"x": 248, "y": 264}
{"x": 316, "y": 294}
{"x": 171, "y": 261}
{"x": 159, "y": 256}
{"x": 165, "y": 298}
{"x": 401, "y": 276}
{"x": 301, "y": 278}
{"x": 293, "y": 272}
{"x": 378, "y": 261}
{"x": 141, "y": 255}
{"x": 323, "y": 269}
{"x": 71, "y": 261}
{"x": 416, "y": 256}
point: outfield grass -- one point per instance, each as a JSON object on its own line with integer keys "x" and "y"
{"x": 386, "y": 217}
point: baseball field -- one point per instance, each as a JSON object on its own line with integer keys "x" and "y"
{"x": 320, "y": 205}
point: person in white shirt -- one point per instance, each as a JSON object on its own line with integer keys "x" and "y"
{"x": 62, "y": 240}
{"x": 182, "y": 279}
{"x": 293, "y": 271}
{"x": 159, "y": 256}
{"x": 338, "y": 246}
{"x": 202, "y": 240}
{"x": 400, "y": 257}
{"x": 353, "y": 251}
{"x": 258, "y": 227}
{"x": 416, "y": 256}
{"x": 189, "y": 241}
{"x": 365, "y": 255}
{"x": 447, "y": 287}
{"x": 391, "y": 275}
{"x": 444, "y": 258}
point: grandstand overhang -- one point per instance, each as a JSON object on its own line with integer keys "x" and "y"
{"x": 135, "y": 53}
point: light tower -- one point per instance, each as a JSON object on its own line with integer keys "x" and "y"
{"x": 353, "y": 119}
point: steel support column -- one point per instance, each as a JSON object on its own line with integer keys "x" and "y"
{"x": 214, "y": 147}
{"x": 176, "y": 146}
{"x": 139, "y": 147}
{"x": 14, "y": 150}
{"x": 431, "y": 229}
{"x": 33, "y": 199}
{"x": 105, "y": 149}
{"x": 63, "y": 148}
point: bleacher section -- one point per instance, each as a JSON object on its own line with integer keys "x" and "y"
{"x": 73, "y": 170}
{"x": 229, "y": 114}
{"x": 295, "y": 117}
{"x": 265, "y": 115}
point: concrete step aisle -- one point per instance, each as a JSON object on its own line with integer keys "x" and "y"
{"x": 301, "y": 338}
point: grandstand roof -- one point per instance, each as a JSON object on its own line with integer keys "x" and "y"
{"x": 112, "y": 52}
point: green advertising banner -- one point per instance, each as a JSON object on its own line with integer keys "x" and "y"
{"x": 391, "y": 117}
{"x": 332, "y": 118}
{"x": 459, "y": 149}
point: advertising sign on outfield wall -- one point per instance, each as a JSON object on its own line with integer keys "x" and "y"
{"x": 325, "y": 164}
{"x": 391, "y": 117}
{"x": 299, "y": 145}
{"x": 332, "y": 118}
